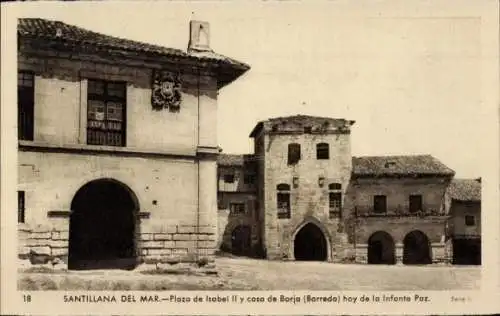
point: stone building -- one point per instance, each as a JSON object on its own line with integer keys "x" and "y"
{"x": 117, "y": 146}
{"x": 464, "y": 226}
{"x": 314, "y": 201}
{"x": 237, "y": 204}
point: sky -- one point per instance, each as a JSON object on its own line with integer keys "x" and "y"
{"x": 411, "y": 80}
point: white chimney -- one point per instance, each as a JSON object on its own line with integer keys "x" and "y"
{"x": 199, "y": 36}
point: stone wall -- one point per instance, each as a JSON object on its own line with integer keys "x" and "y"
{"x": 174, "y": 185}
{"x": 61, "y": 81}
{"x": 177, "y": 243}
{"x": 309, "y": 200}
{"x": 227, "y": 222}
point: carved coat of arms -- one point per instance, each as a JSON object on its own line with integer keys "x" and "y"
{"x": 166, "y": 92}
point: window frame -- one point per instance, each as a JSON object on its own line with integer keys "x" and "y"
{"x": 322, "y": 151}
{"x": 240, "y": 206}
{"x": 335, "y": 195}
{"x": 467, "y": 221}
{"x": 25, "y": 106}
{"x": 21, "y": 207}
{"x": 107, "y": 99}
{"x": 414, "y": 209}
{"x": 382, "y": 198}
{"x": 294, "y": 153}
{"x": 283, "y": 197}
{"x": 231, "y": 175}
{"x": 247, "y": 177}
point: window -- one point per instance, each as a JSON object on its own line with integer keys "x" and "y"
{"x": 249, "y": 179}
{"x": 293, "y": 153}
{"x": 322, "y": 151}
{"x": 335, "y": 186}
{"x": 415, "y": 203}
{"x": 308, "y": 129}
{"x": 20, "y": 206}
{"x": 237, "y": 208}
{"x": 335, "y": 200}
{"x": 229, "y": 178}
{"x": 470, "y": 220}
{"x": 283, "y": 199}
{"x": 106, "y": 113}
{"x": 335, "y": 204}
{"x": 380, "y": 204}
{"x": 25, "y": 105}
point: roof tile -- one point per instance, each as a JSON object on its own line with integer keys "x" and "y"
{"x": 48, "y": 29}
{"x": 409, "y": 165}
{"x": 465, "y": 190}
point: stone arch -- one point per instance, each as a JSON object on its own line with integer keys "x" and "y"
{"x": 311, "y": 242}
{"x": 416, "y": 248}
{"x": 381, "y": 248}
{"x": 103, "y": 226}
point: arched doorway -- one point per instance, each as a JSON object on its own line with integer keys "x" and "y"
{"x": 310, "y": 244}
{"x": 241, "y": 240}
{"x": 381, "y": 249}
{"x": 417, "y": 248}
{"x": 103, "y": 226}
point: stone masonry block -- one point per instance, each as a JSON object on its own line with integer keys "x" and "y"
{"x": 59, "y": 251}
{"x": 179, "y": 252}
{"x": 207, "y": 230}
{"x": 41, "y": 235}
{"x": 42, "y": 250}
{"x": 185, "y": 244}
{"x": 152, "y": 244}
{"x": 59, "y": 243}
{"x": 206, "y": 237}
{"x": 181, "y": 237}
{"x": 162, "y": 237}
{"x": 60, "y": 235}
{"x": 38, "y": 242}
{"x": 159, "y": 252}
{"x": 146, "y": 236}
{"x": 206, "y": 244}
{"x": 169, "y": 244}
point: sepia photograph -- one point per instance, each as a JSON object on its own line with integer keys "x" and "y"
{"x": 247, "y": 148}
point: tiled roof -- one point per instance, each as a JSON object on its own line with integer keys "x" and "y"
{"x": 411, "y": 165}
{"x": 77, "y": 36}
{"x": 234, "y": 159}
{"x": 302, "y": 120}
{"x": 465, "y": 190}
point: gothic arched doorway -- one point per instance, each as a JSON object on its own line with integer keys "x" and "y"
{"x": 381, "y": 248}
{"x": 241, "y": 240}
{"x": 417, "y": 248}
{"x": 103, "y": 226}
{"x": 310, "y": 244}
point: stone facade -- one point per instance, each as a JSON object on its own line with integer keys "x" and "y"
{"x": 413, "y": 227}
{"x": 166, "y": 165}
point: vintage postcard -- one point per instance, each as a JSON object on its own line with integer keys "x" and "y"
{"x": 261, "y": 158}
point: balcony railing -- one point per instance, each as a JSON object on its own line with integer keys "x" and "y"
{"x": 400, "y": 213}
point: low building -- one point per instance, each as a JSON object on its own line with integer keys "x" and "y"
{"x": 464, "y": 198}
{"x": 117, "y": 146}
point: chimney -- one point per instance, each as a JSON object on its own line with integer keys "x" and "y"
{"x": 199, "y": 36}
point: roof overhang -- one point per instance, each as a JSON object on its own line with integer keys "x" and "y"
{"x": 225, "y": 70}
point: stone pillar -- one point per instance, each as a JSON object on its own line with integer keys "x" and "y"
{"x": 207, "y": 208}
{"x": 399, "y": 249}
